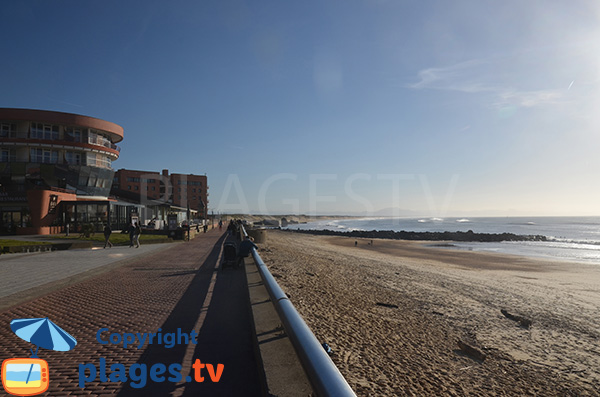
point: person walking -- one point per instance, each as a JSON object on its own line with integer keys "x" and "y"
{"x": 136, "y": 235}
{"x": 107, "y": 233}
{"x": 131, "y": 230}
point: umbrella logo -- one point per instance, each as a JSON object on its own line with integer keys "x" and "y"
{"x": 29, "y": 376}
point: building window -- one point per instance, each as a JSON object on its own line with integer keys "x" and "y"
{"x": 73, "y": 158}
{"x": 34, "y": 133}
{"x": 97, "y": 161}
{"x": 73, "y": 134}
{"x": 95, "y": 139}
{"x": 90, "y": 159}
{"x": 7, "y": 130}
{"x": 129, "y": 187}
{"x": 136, "y": 187}
{"x": 43, "y": 156}
{"x": 106, "y": 162}
{"x": 4, "y": 156}
{"x": 44, "y": 131}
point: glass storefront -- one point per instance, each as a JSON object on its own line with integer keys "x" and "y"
{"x": 13, "y": 217}
{"x": 84, "y": 180}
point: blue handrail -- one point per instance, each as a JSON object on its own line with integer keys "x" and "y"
{"x": 324, "y": 376}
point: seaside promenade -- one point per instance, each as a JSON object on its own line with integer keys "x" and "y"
{"x": 99, "y": 296}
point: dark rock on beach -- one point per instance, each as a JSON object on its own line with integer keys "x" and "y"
{"x": 427, "y": 236}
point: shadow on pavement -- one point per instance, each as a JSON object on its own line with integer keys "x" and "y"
{"x": 225, "y": 337}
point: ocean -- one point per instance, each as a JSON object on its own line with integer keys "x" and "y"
{"x": 575, "y": 239}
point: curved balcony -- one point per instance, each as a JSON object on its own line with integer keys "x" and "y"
{"x": 65, "y": 119}
{"x": 107, "y": 147}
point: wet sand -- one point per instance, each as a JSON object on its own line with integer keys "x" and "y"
{"x": 393, "y": 312}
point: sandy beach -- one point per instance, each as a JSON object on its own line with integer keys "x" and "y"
{"x": 393, "y": 311}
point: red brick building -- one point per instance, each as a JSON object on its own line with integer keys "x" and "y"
{"x": 189, "y": 189}
{"x": 182, "y": 190}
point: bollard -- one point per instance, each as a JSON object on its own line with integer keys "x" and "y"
{"x": 259, "y": 235}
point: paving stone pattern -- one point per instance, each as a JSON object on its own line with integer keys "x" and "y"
{"x": 19, "y": 272}
{"x": 161, "y": 290}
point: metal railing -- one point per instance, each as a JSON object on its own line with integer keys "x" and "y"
{"x": 68, "y": 141}
{"x": 322, "y": 373}
{"x": 101, "y": 141}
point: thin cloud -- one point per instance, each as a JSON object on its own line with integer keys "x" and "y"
{"x": 458, "y": 77}
{"x": 479, "y": 76}
{"x": 530, "y": 99}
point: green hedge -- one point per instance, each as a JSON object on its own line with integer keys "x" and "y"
{"x": 17, "y": 243}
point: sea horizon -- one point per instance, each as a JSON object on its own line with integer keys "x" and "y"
{"x": 569, "y": 238}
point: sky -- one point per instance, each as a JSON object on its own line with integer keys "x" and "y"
{"x": 427, "y": 108}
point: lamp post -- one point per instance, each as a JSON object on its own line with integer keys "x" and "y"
{"x": 188, "y": 221}
{"x": 204, "y": 210}
{"x": 205, "y": 213}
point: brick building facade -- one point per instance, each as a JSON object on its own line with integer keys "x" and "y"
{"x": 182, "y": 190}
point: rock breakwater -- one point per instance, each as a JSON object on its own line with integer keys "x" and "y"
{"x": 426, "y": 236}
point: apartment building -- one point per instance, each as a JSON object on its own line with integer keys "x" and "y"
{"x": 182, "y": 190}
{"x": 48, "y": 157}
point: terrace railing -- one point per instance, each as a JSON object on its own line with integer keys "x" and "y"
{"x": 322, "y": 373}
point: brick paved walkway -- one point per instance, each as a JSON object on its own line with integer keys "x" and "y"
{"x": 175, "y": 288}
{"x": 19, "y": 272}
